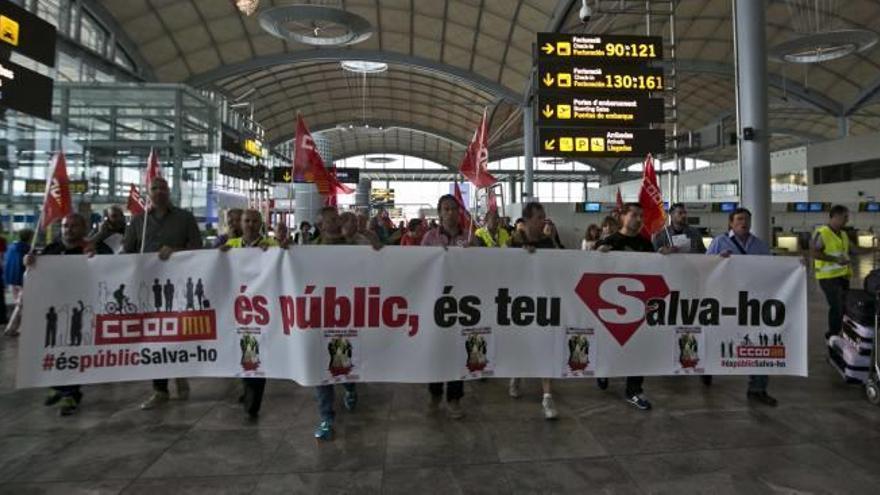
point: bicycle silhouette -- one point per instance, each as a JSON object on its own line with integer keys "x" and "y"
{"x": 125, "y": 307}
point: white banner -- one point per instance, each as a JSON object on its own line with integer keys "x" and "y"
{"x": 331, "y": 314}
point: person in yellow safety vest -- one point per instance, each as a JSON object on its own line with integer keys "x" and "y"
{"x": 491, "y": 234}
{"x": 831, "y": 249}
{"x": 252, "y": 236}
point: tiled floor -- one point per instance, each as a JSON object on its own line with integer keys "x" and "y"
{"x": 824, "y": 438}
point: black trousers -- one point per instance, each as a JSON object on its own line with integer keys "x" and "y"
{"x": 253, "y": 394}
{"x": 835, "y": 294}
{"x": 634, "y": 385}
{"x": 454, "y": 390}
{"x": 161, "y": 385}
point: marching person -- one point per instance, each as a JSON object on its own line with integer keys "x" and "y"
{"x": 534, "y": 236}
{"x": 233, "y": 227}
{"x": 591, "y": 237}
{"x": 739, "y": 240}
{"x": 252, "y": 236}
{"x": 168, "y": 229}
{"x": 678, "y": 235}
{"x": 448, "y": 234}
{"x": 831, "y": 251}
{"x": 13, "y": 275}
{"x": 629, "y": 239}
{"x": 414, "y": 233}
{"x": 73, "y": 241}
{"x": 112, "y": 229}
{"x": 491, "y": 234}
{"x": 332, "y": 234}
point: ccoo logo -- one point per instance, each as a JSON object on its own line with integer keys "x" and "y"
{"x": 620, "y": 301}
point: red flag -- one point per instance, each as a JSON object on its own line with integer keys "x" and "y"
{"x": 474, "y": 165}
{"x": 153, "y": 169}
{"x": 308, "y": 166}
{"x": 57, "y": 203}
{"x": 135, "y": 204}
{"x": 651, "y": 200}
{"x": 619, "y": 207}
{"x": 464, "y": 216}
{"x": 492, "y": 202}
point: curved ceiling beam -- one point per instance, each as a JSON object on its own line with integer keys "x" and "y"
{"x": 817, "y": 100}
{"x": 445, "y": 70}
{"x": 867, "y": 94}
{"x": 389, "y": 125}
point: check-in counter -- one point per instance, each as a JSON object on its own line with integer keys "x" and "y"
{"x": 866, "y": 240}
{"x": 788, "y": 242}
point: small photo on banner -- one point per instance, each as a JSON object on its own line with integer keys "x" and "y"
{"x": 343, "y": 356}
{"x": 478, "y": 351}
{"x": 576, "y": 351}
{"x": 689, "y": 351}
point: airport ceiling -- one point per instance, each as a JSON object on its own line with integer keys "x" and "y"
{"x": 450, "y": 59}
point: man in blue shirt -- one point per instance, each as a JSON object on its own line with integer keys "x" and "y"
{"x": 738, "y": 241}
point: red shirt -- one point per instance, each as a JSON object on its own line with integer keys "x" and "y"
{"x": 407, "y": 240}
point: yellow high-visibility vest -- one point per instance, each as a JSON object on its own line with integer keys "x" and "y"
{"x": 484, "y": 235}
{"x": 237, "y": 242}
{"x": 836, "y": 246}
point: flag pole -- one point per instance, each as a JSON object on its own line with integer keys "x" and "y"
{"x": 45, "y": 197}
{"x": 146, "y": 202}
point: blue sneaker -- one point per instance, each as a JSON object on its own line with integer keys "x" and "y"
{"x": 350, "y": 400}
{"x": 640, "y": 401}
{"x": 324, "y": 431}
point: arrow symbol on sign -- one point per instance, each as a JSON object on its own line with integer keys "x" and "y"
{"x": 550, "y": 144}
{"x": 548, "y": 80}
{"x": 547, "y": 111}
{"x": 547, "y": 48}
{"x": 287, "y": 177}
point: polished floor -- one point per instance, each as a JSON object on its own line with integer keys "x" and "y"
{"x": 823, "y": 438}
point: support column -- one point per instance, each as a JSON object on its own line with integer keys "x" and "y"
{"x": 511, "y": 184}
{"x": 362, "y": 195}
{"x": 177, "y": 148}
{"x": 751, "y": 84}
{"x": 843, "y": 126}
{"x": 528, "y": 153}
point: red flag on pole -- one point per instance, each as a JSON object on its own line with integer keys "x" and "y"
{"x": 619, "y": 207}
{"x": 492, "y": 201}
{"x": 651, "y": 200}
{"x": 135, "y": 203}
{"x": 57, "y": 203}
{"x": 464, "y": 216}
{"x": 308, "y": 166}
{"x": 474, "y": 165}
{"x": 153, "y": 169}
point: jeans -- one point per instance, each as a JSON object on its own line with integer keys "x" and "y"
{"x": 758, "y": 383}
{"x": 835, "y": 293}
{"x": 454, "y": 390}
{"x": 634, "y": 385}
{"x": 326, "y": 395}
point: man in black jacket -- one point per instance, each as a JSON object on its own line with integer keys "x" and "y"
{"x": 73, "y": 241}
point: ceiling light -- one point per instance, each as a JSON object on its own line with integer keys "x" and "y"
{"x": 363, "y": 66}
{"x": 825, "y": 46}
{"x": 315, "y": 25}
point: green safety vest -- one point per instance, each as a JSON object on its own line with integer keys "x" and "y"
{"x": 237, "y": 242}
{"x": 834, "y": 245}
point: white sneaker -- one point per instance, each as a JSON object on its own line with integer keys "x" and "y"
{"x": 549, "y": 407}
{"x": 513, "y": 388}
{"x": 454, "y": 409}
{"x": 182, "y": 388}
{"x": 155, "y": 400}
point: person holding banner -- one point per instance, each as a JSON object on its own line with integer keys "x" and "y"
{"x": 534, "y": 236}
{"x": 252, "y": 236}
{"x": 491, "y": 234}
{"x": 73, "y": 241}
{"x": 449, "y": 233}
{"x": 678, "y": 235}
{"x": 739, "y": 240}
{"x": 168, "y": 229}
{"x": 233, "y": 227}
{"x": 628, "y": 238}
{"x": 332, "y": 233}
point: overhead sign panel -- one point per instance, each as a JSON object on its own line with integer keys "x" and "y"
{"x": 37, "y": 186}
{"x": 599, "y": 143}
{"x": 613, "y": 48}
{"x": 596, "y": 109}
{"x": 27, "y": 34}
{"x": 611, "y": 78}
{"x": 25, "y": 90}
